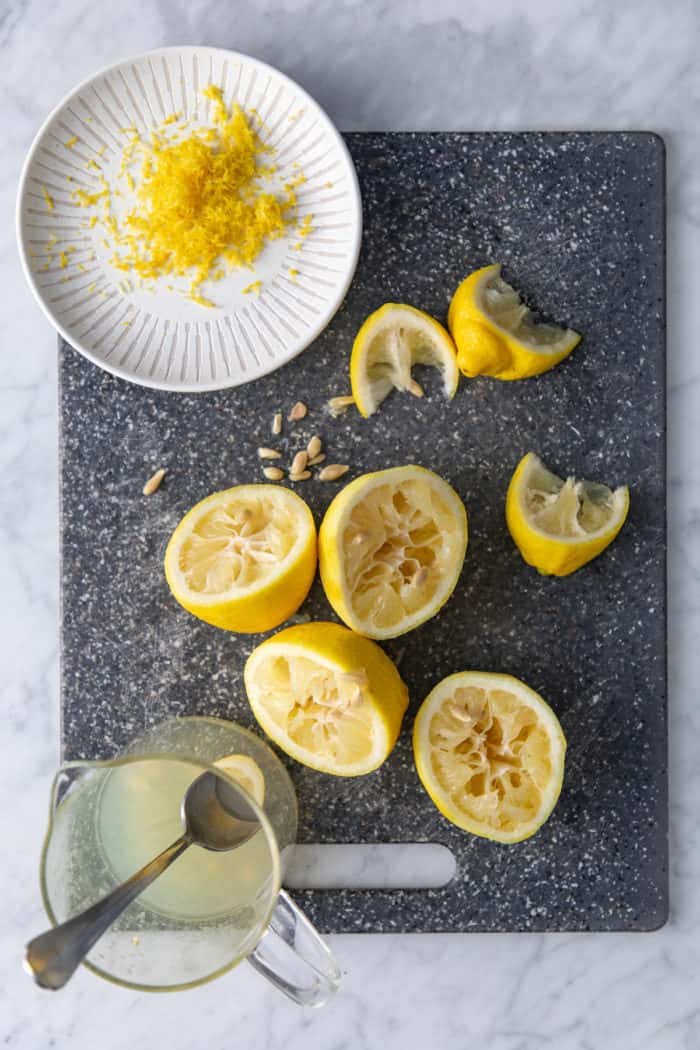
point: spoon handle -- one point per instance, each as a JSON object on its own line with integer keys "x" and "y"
{"x": 52, "y": 957}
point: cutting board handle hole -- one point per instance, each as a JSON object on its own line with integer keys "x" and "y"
{"x": 368, "y": 866}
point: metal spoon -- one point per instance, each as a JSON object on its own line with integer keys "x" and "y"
{"x": 214, "y": 815}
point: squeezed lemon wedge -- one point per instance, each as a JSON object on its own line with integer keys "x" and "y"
{"x": 390, "y": 342}
{"x": 558, "y": 525}
{"x": 495, "y": 333}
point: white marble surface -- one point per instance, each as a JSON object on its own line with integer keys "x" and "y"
{"x": 440, "y": 64}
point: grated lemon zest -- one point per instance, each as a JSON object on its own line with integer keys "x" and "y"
{"x": 201, "y": 300}
{"x": 199, "y": 202}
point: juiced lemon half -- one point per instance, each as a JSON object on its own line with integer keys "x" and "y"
{"x": 327, "y": 697}
{"x": 390, "y": 342}
{"x": 391, "y": 548}
{"x": 495, "y": 332}
{"x": 243, "y": 559}
{"x": 558, "y": 525}
{"x": 490, "y": 753}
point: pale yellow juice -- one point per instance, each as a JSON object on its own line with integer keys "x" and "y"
{"x": 139, "y": 815}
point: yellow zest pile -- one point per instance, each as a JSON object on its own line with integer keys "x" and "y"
{"x": 200, "y": 207}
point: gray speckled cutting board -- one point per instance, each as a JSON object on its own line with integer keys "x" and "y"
{"x": 578, "y": 222}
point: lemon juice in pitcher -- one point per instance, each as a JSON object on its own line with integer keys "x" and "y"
{"x": 138, "y": 815}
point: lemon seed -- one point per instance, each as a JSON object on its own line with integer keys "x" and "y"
{"x": 333, "y": 471}
{"x": 314, "y": 447}
{"x": 298, "y": 412}
{"x": 458, "y": 712}
{"x": 299, "y": 463}
{"x": 341, "y": 404}
{"x": 153, "y": 482}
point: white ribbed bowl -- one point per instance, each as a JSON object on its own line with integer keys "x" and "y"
{"x": 160, "y": 338}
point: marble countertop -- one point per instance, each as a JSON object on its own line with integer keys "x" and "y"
{"x": 409, "y": 65}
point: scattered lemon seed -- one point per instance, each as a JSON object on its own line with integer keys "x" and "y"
{"x": 269, "y": 453}
{"x": 416, "y": 389}
{"x": 333, "y": 471}
{"x": 153, "y": 483}
{"x": 316, "y": 459}
{"x": 314, "y": 447}
{"x": 298, "y": 412}
{"x": 273, "y": 473}
{"x": 341, "y": 404}
{"x": 277, "y": 423}
{"x": 299, "y": 463}
{"x": 302, "y": 475}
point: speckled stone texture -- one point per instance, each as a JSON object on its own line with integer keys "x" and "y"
{"x": 578, "y": 222}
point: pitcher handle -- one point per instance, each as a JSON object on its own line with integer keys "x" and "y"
{"x": 293, "y": 956}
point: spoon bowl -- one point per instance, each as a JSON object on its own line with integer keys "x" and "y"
{"x": 215, "y": 815}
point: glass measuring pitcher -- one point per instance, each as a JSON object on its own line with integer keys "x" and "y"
{"x": 209, "y": 910}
